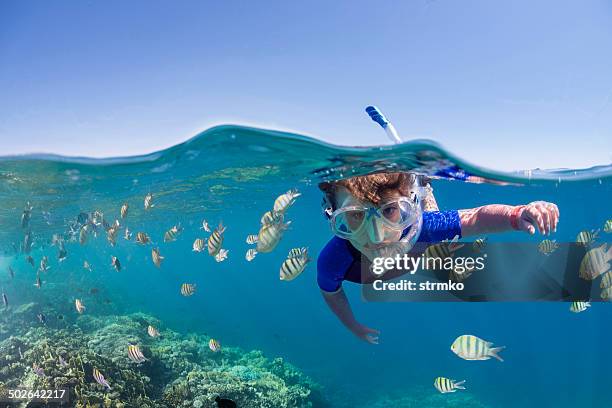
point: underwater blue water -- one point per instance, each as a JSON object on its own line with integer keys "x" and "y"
{"x": 553, "y": 358}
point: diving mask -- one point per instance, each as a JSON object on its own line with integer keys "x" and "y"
{"x": 398, "y": 214}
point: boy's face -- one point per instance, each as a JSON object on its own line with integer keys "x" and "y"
{"x": 374, "y": 236}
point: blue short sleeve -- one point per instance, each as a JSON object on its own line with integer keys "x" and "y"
{"x": 333, "y": 262}
{"x": 440, "y": 225}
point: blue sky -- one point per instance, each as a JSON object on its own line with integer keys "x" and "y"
{"x": 506, "y": 85}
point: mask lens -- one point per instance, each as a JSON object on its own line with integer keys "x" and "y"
{"x": 398, "y": 213}
{"x": 348, "y": 222}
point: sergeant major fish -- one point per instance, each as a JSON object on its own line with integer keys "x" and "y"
{"x": 608, "y": 226}
{"x": 293, "y": 266}
{"x": 156, "y": 257}
{"x": 124, "y": 210}
{"x": 272, "y": 217}
{"x": 152, "y": 331}
{"x": 595, "y": 262}
{"x": 284, "y": 201}
{"x": 188, "y": 289}
{"x": 172, "y": 233}
{"x": 27, "y": 214}
{"x": 198, "y": 245}
{"x": 221, "y": 255}
{"x": 547, "y": 246}
{"x": 577, "y": 307}
{"x": 214, "y": 345}
{"x": 148, "y": 201}
{"x": 142, "y": 238}
{"x": 270, "y": 235}
{"x": 586, "y": 238}
{"x": 205, "y": 226}
{"x": 115, "y": 263}
{"x": 216, "y": 240}
{"x": 470, "y": 347}
{"x": 445, "y": 385}
{"x": 250, "y": 254}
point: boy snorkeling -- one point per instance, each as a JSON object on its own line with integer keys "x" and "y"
{"x": 385, "y": 214}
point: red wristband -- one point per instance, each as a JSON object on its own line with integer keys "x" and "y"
{"x": 515, "y": 215}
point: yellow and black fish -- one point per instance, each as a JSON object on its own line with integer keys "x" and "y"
{"x": 293, "y": 266}
{"x": 198, "y": 245}
{"x": 586, "y": 238}
{"x": 173, "y": 233}
{"x": 135, "y": 354}
{"x": 284, "y": 201}
{"x": 577, "y": 307}
{"x": 216, "y": 240}
{"x": 142, "y": 238}
{"x": 157, "y": 258}
{"x": 445, "y": 385}
{"x": 124, "y": 210}
{"x": 547, "y": 246}
{"x": 188, "y": 289}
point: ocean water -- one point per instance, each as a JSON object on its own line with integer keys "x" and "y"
{"x": 553, "y": 358}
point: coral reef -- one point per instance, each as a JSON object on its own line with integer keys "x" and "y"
{"x": 180, "y": 370}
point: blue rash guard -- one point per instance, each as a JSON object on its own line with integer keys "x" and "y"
{"x": 340, "y": 261}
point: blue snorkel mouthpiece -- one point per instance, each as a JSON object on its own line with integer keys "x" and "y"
{"x": 379, "y": 118}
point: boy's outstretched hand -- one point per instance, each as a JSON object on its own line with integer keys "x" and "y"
{"x": 539, "y": 214}
{"x": 366, "y": 334}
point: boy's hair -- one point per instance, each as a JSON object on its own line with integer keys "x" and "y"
{"x": 373, "y": 187}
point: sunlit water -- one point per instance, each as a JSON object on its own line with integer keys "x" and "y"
{"x": 553, "y": 357}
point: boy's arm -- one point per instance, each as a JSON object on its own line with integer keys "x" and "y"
{"x": 540, "y": 215}
{"x": 339, "y": 304}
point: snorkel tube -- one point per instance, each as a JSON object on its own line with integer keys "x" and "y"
{"x": 379, "y": 118}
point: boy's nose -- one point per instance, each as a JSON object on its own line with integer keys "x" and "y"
{"x": 376, "y": 232}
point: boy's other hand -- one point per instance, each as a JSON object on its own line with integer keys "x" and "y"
{"x": 541, "y": 215}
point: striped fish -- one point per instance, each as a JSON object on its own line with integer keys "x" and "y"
{"x": 608, "y": 226}
{"x": 284, "y": 201}
{"x": 547, "y": 246}
{"x": 4, "y": 299}
{"x": 198, "y": 245}
{"x": 11, "y": 272}
{"x": 83, "y": 234}
{"x": 270, "y": 235}
{"x": 135, "y": 354}
{"x": 173, "y": 233}
{"x": 595, "y": 262}
{"x": 216, "y": 240}
{"x": 30, "y": 260}
{"x": 27, "y": 214}
{"x": 148, "y": 202}
{"x": 221, "y": 255}
{"x": 606, "y": 280}
{"x": 127, "y": 234}
{"x": 111, "y": 235}
{"x": 470, "y": 347}
{"x": 38, "y": 282}
{"x": 459, "y": 274}
{"x": 188, "y": 289}
{"x": 445, "y": 385}
{"x": 578, "y": 307}
{"x": 205, "y": 226}
{"x": 152, "y": 331}
{"x": 87, "y": 266}
{"x": 124, "y": 210}
{"x": 292, "y": 267}
{"x": 44, "y": 264}
{"x": 272, "y": 217}
{"x": 157, "y": 258}
{"x": 250, "y": 254}
{"x": 97, "y": 375}
{"x": 606, "y": 294}
{"x": 586, "y": 238}
{"x": 115, "y": 263}
{"x": 79, "y": 306}
{"x": 214, "y": 345}
{"x": 251, "y": 239}
{"x": 295, "y": 252}
{"x": 442, "y": 250}
{"x": 479, "y": 244}
{"x": 142, "y": 238}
